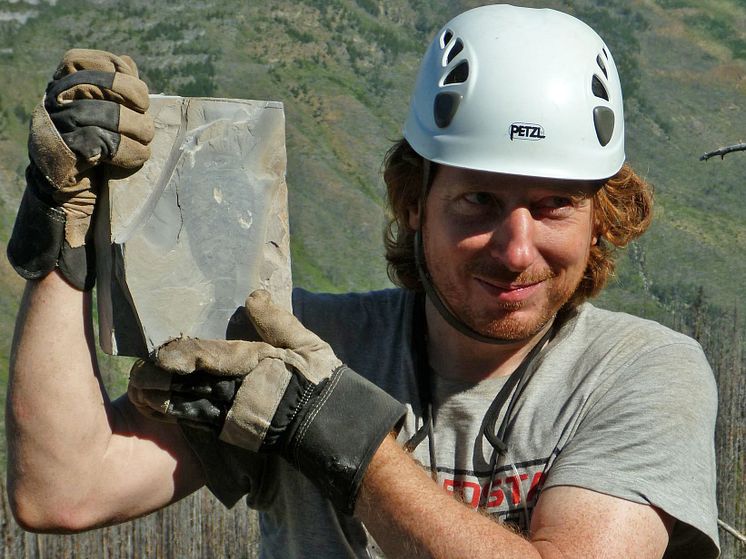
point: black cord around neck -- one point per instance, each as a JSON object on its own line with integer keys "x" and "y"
{"x": 518, "y": 377}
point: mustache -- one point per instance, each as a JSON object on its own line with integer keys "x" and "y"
{"x": 495, "y": 272}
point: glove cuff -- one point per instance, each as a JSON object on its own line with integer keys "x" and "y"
{"x": 333, "y": 441}
{"x": 37, "y": 244}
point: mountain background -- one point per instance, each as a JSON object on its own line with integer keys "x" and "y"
{"x": 344, "y": 70}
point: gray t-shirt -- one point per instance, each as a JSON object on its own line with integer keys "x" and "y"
{"x": 615, "y": 404}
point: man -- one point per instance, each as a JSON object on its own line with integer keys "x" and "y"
{"x": 563, "y": 430}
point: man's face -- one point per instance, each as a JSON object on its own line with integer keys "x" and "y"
{"x": 504, "y": 251}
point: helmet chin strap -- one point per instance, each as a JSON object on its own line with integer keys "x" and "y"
{"x": 448, "y": 315}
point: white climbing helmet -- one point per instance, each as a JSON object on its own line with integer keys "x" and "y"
{"x": 520, "y": 91}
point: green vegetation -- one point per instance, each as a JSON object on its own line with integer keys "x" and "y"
{"x": 721, "y": 30}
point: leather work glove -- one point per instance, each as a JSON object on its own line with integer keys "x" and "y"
{"x": 289, "y": 394}
{"x": 93, "y": 113}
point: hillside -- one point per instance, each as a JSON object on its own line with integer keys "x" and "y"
{"x": 344, "y": 69}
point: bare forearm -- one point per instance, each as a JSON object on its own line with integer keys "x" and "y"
{"x": 57, "y": 412}
{"x": 77, "y": 460}
{"x": 409, "y": 516}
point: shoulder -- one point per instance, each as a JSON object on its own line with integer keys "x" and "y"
{"x": 304, "y": 300}
{"x": 358, "y": 324}
{"x": 625, "y": 360}
{"x": 633, "y": 347}
{"x": 612, "y": 327}
{"x": 321, "y": 309}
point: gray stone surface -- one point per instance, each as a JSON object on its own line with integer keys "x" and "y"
{"x": 200, "y": 226}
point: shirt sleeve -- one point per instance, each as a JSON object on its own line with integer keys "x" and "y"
{"x": 648, "y": 437}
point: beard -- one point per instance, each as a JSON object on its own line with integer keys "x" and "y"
{"x": 507, "y": 320}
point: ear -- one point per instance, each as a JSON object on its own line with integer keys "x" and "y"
{"x": 413, "y": 217}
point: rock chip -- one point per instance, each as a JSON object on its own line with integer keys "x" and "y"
{"x": 199, "y": 227}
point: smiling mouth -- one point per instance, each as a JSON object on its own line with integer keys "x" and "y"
{"x": 510, "y": 286}
{"x": 512, "y": 292}
{"x": 501, "y": 277}
{"x": 514, "y": 283}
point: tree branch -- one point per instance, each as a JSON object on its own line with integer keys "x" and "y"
{"x": 722, "y": 152}
{"x": 731, "y": 530}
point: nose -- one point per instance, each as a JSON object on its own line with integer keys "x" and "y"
{"x": 513, "y": 241}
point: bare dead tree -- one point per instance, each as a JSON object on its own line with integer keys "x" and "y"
{"x": 722, "y": 152}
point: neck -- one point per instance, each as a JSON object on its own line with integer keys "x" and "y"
{"x": 455, "y": 356}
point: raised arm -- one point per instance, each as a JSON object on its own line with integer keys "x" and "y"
{"x": 76, "y": 460}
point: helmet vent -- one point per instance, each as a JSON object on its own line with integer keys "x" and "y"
{"x": 599, "y": 89}
{"x": 446, "y": 105}
{"x": 459, "y": 74}
{"x": 601, "y": 65}
{"x": 446, "y": 38}
{"x": 603, "y": 119}
{"x": 457, "y": 47}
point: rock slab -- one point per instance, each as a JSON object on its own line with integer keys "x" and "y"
{"x": 182, "y": 242}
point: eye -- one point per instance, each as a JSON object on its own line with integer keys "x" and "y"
{"x": 558, "y": 202}
{"x": 554, "y": 206}
{"x": 475, "y": 204}
{"x": 479, "y": 198}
